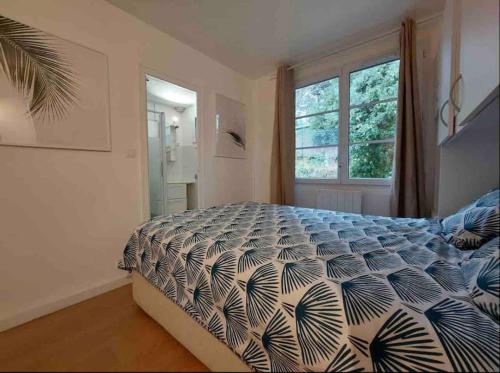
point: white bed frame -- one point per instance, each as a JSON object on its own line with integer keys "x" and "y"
{"x": 208, "y": 349}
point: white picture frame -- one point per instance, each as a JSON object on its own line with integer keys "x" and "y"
{"x": 85, "y": 124}
{"x": 230, "y": 128}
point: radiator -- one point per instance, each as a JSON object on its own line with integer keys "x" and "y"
{"x": 339, "y": 200}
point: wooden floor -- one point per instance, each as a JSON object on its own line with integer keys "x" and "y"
{"x": 108, "y": 332}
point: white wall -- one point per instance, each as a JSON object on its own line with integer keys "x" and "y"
{"x": 187, "y": 123}
{"x": 185, "y": 167}
{"x": 375, "y": 198}
{"x": 65, "y": 215}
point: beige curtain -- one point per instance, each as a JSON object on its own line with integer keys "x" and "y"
{"x": 408, "y": 189}
{"x": 283, "y": 151}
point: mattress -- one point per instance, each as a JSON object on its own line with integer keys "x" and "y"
{"x": 295, "y": 289}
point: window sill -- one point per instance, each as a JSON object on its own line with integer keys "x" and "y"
{"x": 361, "y": 182}
{"x": 317, "y": 181}
{"x": 384, "y": 182}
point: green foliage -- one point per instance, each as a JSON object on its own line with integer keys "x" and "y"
{"x": 368, "y": 122}
{"x": 375, "y": 83}
{"x": 317, "y": 130}
{"x": 316, "y": 163}
{"x": 317, "y": 98}
{"x": 371, "y": 160}
{"x": 373, "y": 122}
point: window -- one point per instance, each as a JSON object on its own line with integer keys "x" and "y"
{"x": 364, "y": 140}
{"x": 317, "y": 130}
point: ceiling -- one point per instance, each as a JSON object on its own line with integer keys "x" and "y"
{"x": 168, "y": 93}
{"x": 254, "y": 36}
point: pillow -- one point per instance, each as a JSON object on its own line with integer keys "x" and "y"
{"x": 490, "y": 199}
{"x": 481, "y": 274}
{"x": 474, "y": 224}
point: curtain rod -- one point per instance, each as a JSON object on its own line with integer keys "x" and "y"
{"x": 354, "y": 45}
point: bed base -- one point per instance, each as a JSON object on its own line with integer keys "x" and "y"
{"x": 208, "y": 349}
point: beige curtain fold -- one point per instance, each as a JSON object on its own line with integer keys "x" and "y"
{"x": 283, "y": 150}
{"x": 408, "y": 189}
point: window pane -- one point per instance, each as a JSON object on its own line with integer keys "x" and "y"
{"x": 320, "y": 163}
{"x": 374, "y": 83}
{"x": 317, "y": 130}
{"x": 371, "y": 160}
{"x": 316, "y": 98}
{"x": 373, "y": 122}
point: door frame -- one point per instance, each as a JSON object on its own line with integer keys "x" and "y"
{"x": 143, "y": 136}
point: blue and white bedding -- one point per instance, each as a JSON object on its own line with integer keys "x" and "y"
{"x": 296, "y": 289}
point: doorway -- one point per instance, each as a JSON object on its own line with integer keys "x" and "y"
{"x": 172, "y": 147}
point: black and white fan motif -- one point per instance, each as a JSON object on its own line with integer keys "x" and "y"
{"x": 296, "y": 289}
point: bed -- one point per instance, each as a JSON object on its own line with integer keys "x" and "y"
{"x": 254, "y": 286}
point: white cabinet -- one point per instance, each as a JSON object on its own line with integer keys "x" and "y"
{"x": 469, "y": 61}
{"x": 478, "y": 54}
{"x": 447, "y": 68}
{"x": 176, "y": 190}
{"x": 176, "y": 198}
{"x": 175, "y": 206}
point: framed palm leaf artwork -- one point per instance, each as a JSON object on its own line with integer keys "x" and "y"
{"x": 229, "y": 128}
{"x": 53, "y": 93}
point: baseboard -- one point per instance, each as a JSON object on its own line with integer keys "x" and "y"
{"x": 50, "y": 307}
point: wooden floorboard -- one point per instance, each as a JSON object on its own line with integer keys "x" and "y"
{"x": 106, "y": 333}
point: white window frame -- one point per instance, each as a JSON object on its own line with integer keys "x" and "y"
{"x": 344, "y": 102}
